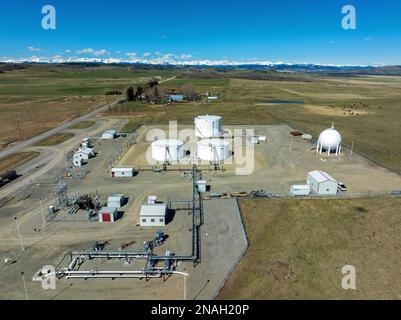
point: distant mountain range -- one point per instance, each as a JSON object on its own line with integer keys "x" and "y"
{"x": 226, "y": 64}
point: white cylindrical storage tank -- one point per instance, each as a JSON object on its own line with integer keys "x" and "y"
{"x": 329, "y": 141}
{"x": 167, "y": 150}
{"x": 213, "y": 150}
{"x": 207, "y": 126}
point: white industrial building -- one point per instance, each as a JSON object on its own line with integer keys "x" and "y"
{"x": 84, "y": 153}
{"x": 322, "y": 184}
{"x": 300, "y": 190}
{"x": 153, "y": 215}
{"x": 108, "y": 214}
{"x": 122, "y": 172}
{"x": 115, "y": 200}
{"x": 329, "y": 141}
{"x": 110, "y": 134}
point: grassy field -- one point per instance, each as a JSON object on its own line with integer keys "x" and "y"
{"x": 16, "y": 160}
{"x": 38, "y": 98}
{"x": 298, "y": 248}
{"x": 55, "y": 140}
{"x": 365, "y": 109}
{"x": 83, "y": 125}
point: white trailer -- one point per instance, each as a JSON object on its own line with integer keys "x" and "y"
{"x": 122, "y": 172}
{"x": 300, "y": 190}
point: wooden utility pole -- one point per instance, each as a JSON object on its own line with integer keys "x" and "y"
{"x": 17, "y": 120}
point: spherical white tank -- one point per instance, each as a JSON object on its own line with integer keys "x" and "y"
{"x": 167, "y": 150}
{"x": 330, "y": 141}
{"x": 213, "y": 150}
{"x": 207, "y": 126}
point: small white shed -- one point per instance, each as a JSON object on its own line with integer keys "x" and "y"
{"x": 108, "y": 214}
{"x": 110, "y": 134}
{"x": 115, "y": 200}
{"x": 122, "y": 172}
{"x": 300, "y": 190}
{"x": 321, "y": 183}
{"x": 153, "y": 215}
{"x": 78, "y": 161}
{"x": 152, "y": 199}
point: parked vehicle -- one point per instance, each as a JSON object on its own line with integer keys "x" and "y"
{"x": 342, "y": 187}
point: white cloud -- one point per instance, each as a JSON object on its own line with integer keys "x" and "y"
{"x": 30, "y": 48}
{"x": 93, "y": 52}
{"x": 68, "y": 51}
{"x": 131, "y": 54}
{"x": 147, "y": 54}
{"x": 185, "y": 56}
{"x": 87, "y": 50}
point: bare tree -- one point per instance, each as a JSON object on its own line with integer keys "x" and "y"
{"x": 188, "y": 91}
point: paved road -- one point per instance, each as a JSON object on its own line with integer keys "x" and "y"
{"x": 56, "y": 130}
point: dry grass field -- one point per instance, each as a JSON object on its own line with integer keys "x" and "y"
{"x": 298, "y": 248}
{"x": 16, "y": 160}
{"x": 83, "y": 125}
{"x": 40, "y": 97}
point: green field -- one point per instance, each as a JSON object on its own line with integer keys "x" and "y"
{"x": 75, "y": 80}
{"x": 299, "y": 247}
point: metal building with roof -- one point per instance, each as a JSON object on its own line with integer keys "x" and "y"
{"x": 153, "y": 215}
{"x": 110, "y": 134}
{"x": 322, "y": 184}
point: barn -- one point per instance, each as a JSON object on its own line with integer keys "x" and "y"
{"x": 322, "y": 184}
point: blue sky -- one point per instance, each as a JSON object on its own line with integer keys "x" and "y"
{"x": 297, "y": 31}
